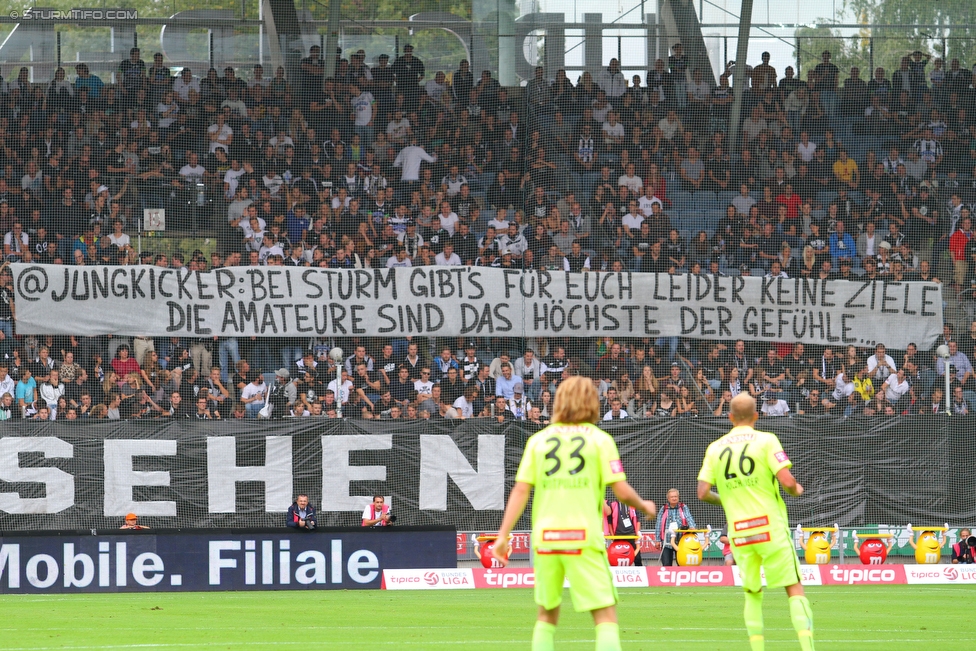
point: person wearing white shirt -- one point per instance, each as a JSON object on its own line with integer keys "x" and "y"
{"x": 231, "y": 177}
{"x": 465, "y": 403}
{"x": 280, "y": 140}
{"x": 647, "y": 201}
{"x": 454, "y": 181}
{"x": 409, "y": 160}
{"x": 842, "y": 388}
{"x": 436, "y": 86}
{"x": 15, "y": 243}
{"x": 880, "y": 365}
{"x": 611, "y": 80}
{"x": 7, "y": 384}
{"x": 631, "y": 181}
{"x": 253, "y": 395}
{"x": 868, "y": 241}
{"x": 632, "y": 220}
{"x": 424, "y": 386}
{"x": 185, "y": 83}
{"x": 193, "y": 171}
{"x": 166, "y": 111}
{"x": 449, "y": 218}
{"x": 253, "y": 226}
{"x": 259, "y": 79}
{"x": 500, "y": 221}
{"x": 613, "y": 131}
{"x": 234, "y": 103}
{"x": 896, "y": 387}
{"x": 805, "y": 149}
{"x": 616, "y": 411}
{"x": 513, "y": 241}
{"x": 220, "y": 134}
{"x": 273, "y": 182}
{"x": 117, "y": 237}
{"x": 399, "y": 259}
{"x": 775, "y": 406}
{"x": 447, "y": 257}
{"x": 342, "y": 389}
{"x": 743, "y": 201}
{"x": 398, "y": 129}
{"x": 364, "y": 106}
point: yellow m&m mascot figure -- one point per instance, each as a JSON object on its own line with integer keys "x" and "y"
{"x": 816, "y": 547}
{"x": 928, "y": 547}
{"x": 689, "y": 549}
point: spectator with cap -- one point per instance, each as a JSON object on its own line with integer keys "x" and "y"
{"x": 519, "y": 404}
{"x": 282, "y": 395}
{"x": 132, "y": 522}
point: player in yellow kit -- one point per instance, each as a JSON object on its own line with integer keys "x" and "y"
{"x": 748, "y": 467}
{"x": 569, "y": 464}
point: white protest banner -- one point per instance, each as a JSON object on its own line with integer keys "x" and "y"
{"x": 470, "y": 301}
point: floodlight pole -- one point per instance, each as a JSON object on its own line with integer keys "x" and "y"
{"x": 947, "y": 399}
{"x": 339, "y": 390}
{"x": 336, "y": 356}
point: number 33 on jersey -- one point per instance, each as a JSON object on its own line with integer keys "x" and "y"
{"x": 569, "y": 467}
{"x": 742, "y": 466}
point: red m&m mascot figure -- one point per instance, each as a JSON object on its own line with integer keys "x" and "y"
{"x": 484, "y": 551}
{"x": 620, "y": 553}
{"x": 871, "y": 547}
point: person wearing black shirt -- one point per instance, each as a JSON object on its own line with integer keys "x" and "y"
{"x": 401, "y": 389}
{"x": 409, "y": 71}
{"x": 655, "y": 261}
{"x": 502, "y": 412}
{"x": 435, "y": 235}
{"x": 386, "y": 364}
{"x": 366, "y": 384}
{"x": 576, "y": 261}
{"x": 539, "y": 241}
{"x": 312, "y": 70}
{"x": 465, "y": 244}
{"x": 485, "y": 384}
{"x": 812, "y": 405}
{"x": 964, "y": 551}
{"x": 311, "y": 389}
{"x": 451, "y": 386}
{"x": 642, "y": 241}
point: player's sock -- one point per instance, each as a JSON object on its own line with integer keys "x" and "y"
{"x": 802, "y": 618}
{"x": 607, "y": 637}
{"x": 754, "y": 620}
{"x": 544, "y": 637}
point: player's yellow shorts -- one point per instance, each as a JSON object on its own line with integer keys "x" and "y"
{"x": 776, "y": 558}
{"x": 590, "y": 581}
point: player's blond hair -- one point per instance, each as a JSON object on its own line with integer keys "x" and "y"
{"x": 576, "y": 402}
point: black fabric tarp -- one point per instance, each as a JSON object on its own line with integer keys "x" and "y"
{"x": 856, "y": 471}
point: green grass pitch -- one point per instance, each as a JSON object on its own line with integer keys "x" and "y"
{"x": 845, "y": 618}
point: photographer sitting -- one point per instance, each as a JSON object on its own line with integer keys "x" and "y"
{"x": 964, "y": 551}
{"x": 301, "y": 514}
{"x": 378, "y": 513}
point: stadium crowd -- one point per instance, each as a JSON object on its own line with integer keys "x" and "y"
{"x": 836, "y": 177}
